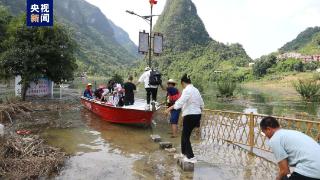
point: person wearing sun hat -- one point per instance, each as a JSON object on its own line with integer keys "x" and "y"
{"x": 88, "y": 92}
{"x": 173, "y": 95}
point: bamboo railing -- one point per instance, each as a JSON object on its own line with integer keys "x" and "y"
{"x": 244, "y": 129}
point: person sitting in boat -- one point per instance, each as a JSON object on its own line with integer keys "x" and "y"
{"x": 118, "y": 99}
{"x": 104, "y": 96}
{"x": 111, "y": 85}
{"x": 98, "y": 92}
{"x": 129, "y": 89}
{"x": 88, "y": 92}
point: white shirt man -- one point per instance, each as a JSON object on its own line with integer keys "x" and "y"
{"x": 150, "y": 89}
{"x": 144, "y": 78}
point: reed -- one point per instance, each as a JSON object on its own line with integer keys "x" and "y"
{"x": 308, "y": 89}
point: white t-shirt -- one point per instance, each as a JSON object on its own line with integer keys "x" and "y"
{"x": 302, "y": 151}
{"x": 144, "y": 78}
{"x": 105, "y": 92}
{"x": 190, "y": 101}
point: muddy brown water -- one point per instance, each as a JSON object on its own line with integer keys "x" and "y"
{"x": 102, "y": 150}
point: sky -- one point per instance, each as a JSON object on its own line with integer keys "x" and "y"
{"x": 261, "y": 26}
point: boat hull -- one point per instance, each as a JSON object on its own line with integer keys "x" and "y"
{"x": 117, "y": 114}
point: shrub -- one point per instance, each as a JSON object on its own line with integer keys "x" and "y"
{"x": 226, "y": 87}
{"x": 311, "y": 66}
{"x": 263, "y": 64}
{"x": 290, "y": 65}
{"x": 308, "y": 89}
{"x": 316, "y": 76}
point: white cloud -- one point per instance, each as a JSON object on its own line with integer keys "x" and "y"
{"x": 261, "y": 26}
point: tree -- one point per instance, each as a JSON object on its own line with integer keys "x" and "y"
{"x": 117, "y": 78}
{"x": 35, "y": 52}
{"x": 263, "y": 64}
{"x": 4, "y": 21}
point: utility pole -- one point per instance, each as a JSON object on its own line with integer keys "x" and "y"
{"x": 150, "y": 38}
{"x": 149, "y": 19}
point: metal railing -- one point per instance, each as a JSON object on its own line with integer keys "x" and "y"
{"x": 244, "y": 129}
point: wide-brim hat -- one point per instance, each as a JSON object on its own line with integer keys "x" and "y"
{"x": 171, "y": 81}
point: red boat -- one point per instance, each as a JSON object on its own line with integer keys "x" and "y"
{"x": 134, "y": 114}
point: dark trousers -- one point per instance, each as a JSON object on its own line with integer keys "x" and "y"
{"x": 151, "y": 92}
{"x": 128, "y": 102}
{"x": 297, "y": 176}
{"x": 189, "y": 123}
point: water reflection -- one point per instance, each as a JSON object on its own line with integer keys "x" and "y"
{"x": 105, "y": 150}
{"x": 269, "y": 104}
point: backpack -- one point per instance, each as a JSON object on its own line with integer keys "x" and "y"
{"x": 155, "y": 78}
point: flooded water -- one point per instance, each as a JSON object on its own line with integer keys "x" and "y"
{"x": 251, "y": 100}
{"x": 102, "y": 150}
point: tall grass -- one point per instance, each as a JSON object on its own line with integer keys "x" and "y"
{"x": 308, "y": 89}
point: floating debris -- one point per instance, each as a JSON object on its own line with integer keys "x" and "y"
{"x": 23, "y": 158}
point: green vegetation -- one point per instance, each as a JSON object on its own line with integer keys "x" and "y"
{"x": 33, "y": 53}
{"x": 270, "y": 65}
{"x": 99, "y": 51}
{"x": 226, "y": 87}
{"x": 290, "y": 65}
{"x": 182, "y": 27}
{"x": 117, "y": 78}
{"x": 308, "y": 89}
{"x": 313, "y": 47}
{"x": 263, "y": 64}
{"x": 189, "y": 49}
{"x": 307, "y": 42}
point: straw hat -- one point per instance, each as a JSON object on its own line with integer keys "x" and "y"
{"x": 171, "y": 81}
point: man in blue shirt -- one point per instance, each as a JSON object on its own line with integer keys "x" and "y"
{"x": 88, "y": 92}
{"x": 292, "y": 148}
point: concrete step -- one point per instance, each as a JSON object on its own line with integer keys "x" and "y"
{"x": 155, "y": 137}
{"x": 185, "y": 166}
{"x": 164, "y": 145}
{"x": 170, "y": 150}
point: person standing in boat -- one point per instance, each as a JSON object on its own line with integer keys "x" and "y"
{"x": 151, "y": 90}
{"x": 129, "y": 89}
{"x": 88, "y": 92}
{"x": 173, "y": 95}
{"x": 192, "y": 105}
